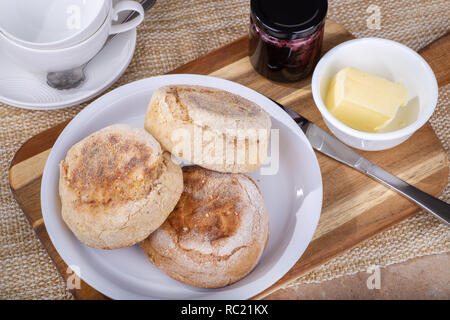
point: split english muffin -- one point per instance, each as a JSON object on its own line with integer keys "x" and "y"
{"x": 117, "y": 186}
{"x": 217, "y": 232}
{"x": 215, "y": 129}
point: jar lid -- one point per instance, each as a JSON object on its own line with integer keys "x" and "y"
{"x": 289, "y": 19}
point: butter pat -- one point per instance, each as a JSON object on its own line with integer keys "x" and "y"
{"x": 363, "y": 101}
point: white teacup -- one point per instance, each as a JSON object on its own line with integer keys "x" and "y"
{"x": 48, "y": 60}
{"x": 51, "y": 24}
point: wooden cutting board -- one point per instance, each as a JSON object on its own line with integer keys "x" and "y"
{"x": 355, "y": 207}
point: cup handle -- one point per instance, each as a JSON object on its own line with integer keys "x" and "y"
{"x": 126, "y": 6}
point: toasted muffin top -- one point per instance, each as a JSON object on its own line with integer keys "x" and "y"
{"x": 216, "y": 214}
{"x": 217, "y": 232}
{"x": 215, "y": 108}
{"x": 111, "y": 166}
{"x": 207, "y": 209}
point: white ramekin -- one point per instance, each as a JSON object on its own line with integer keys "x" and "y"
{"x": 390, "y": 60}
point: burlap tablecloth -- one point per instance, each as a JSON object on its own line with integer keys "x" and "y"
{"x": 174, "y": 33}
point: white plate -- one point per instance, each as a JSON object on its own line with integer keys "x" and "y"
{"x": 293, "y": 199}
{"x": 24, "y": 89}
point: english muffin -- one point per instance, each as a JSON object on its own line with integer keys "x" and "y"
{"x": 209, "y": 127}
{"x": 117, "y": 186}
{"x": 216, "y": 233}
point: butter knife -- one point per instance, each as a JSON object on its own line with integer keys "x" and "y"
{"x": 333, "y": 148}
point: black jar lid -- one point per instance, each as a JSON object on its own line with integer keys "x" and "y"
{"x": 289, "y": 19}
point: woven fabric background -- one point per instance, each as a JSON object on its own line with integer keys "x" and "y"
{"x": 178, "y": 31}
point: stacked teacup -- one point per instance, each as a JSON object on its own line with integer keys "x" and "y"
{"x": 58, "y": 35}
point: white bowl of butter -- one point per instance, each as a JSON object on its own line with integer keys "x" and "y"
{"x": 374, "y": 93}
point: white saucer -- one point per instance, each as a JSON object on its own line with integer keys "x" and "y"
{"x": 24, "y": 89}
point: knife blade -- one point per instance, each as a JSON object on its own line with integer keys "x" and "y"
{"x": 325, "y": 143}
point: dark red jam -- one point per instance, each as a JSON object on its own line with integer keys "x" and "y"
{"x": 286, "y": 37}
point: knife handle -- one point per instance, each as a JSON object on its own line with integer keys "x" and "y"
{"x": 437, "y": 207}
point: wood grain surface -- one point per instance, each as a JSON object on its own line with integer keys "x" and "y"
{"x": 355, "y": 207}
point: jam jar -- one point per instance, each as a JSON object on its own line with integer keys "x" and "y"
{"x": 286, "y": 37}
